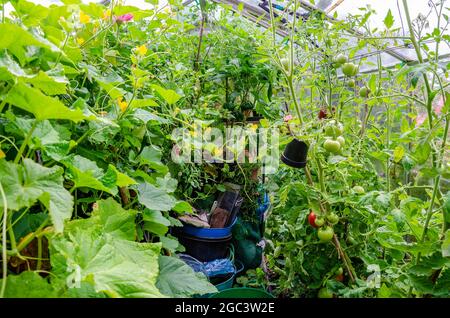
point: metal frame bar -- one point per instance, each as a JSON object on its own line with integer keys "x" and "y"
{"x": 261, "y": 17}
{"x": 310, "y": 7}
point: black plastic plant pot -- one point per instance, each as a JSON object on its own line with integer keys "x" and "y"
{"x": 295, "y": 153}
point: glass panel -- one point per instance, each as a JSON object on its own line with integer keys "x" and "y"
{"x": 342, "y": 8}
{"x": 416, "y": 8}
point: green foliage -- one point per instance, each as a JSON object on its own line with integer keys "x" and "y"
{"x": 30, "y": 182}
{"x": 101, "y": 251}
{"x": 88, "y": 105}
{"x": 179, "y": 280}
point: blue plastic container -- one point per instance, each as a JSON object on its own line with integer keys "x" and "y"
{"x": 211, "y": 233}
{"x": 263, "y": 205}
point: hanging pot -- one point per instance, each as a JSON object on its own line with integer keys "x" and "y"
{"x": 295, "y": 153}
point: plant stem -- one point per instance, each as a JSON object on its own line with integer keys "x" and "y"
{"x": 288, "y": 75}
{"x": 344, "y": 258}
{"x": 388, "y": 137}
{"x": 62, "y": 48}
{"x": 425, "y": 77}
{"x": 96, "y": 34}
{"x": 321, "y": 181}
{"x": 436, "y": 184}
{"x": 39, "y": 261}
{"x": 12, "y": 237}
{"x": 79, "y": 140}
{"x": 4, "y": 251}
{"x": 124, "y": 196}
{"x": 2, "y": 105}
{"x": 294, "y": 98}
{"x": 199, "y": 47}
{"x": 25, "y": 142}
{"x": 30, "y": 237}
{"x": 389, "y": 96}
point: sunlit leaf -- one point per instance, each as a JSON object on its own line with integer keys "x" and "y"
{"x": 41, "y": 106}
{"x": 170, "y": 96}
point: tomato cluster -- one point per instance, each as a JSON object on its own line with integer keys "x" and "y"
{"x": 334, "y": 140}
{"x": 349, "y": 69}
{"x": 325, "y": 230}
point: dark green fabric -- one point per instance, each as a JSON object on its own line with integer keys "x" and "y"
{"x": 246, "y": 236}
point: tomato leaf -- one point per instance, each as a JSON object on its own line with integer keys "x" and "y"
{"x": 446, "y": 245}
{"x": 399, "y": 152}
{"x": 389, "y": 19}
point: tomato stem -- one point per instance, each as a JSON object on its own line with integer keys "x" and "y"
{"x": 344, "y": 258}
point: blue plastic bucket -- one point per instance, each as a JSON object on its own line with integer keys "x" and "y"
{"x": 211, "y": 233}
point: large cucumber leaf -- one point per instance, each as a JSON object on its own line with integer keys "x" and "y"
{"x": 28, "y": 285}
{"x": 41, "y": 106}
{"x": 101, "y": 251}
{"x": 155, "y": 198}
{"x": 177, "y": 279}
{"x": 30, "y": 182}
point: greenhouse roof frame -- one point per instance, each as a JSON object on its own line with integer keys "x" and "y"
{"x": 255, "y": 12}
{"x": 258, "y": 13}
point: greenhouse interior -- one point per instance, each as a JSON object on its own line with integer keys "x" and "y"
{"x": 225, "y": 149}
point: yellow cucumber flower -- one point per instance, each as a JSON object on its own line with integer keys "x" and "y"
{"x": 84, "y": 18}
{"x": 141, "y": 50}
{"x": 106, "y": 14}
{"x": 122, "y": 104}
{"x": 253, "y": 127}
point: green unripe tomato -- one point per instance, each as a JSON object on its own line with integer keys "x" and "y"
{"x": 338, "y": 129}
{"x": 340, "y": 59}
{"x": 340, "y": 271}
{"x": 351, "y": 240}
{"x": 341, "y": 140}
{"x": 349, "y": 69}
{"x": 329, "y": 131}
{"x": 332, "y": 218}
{"x": 359, "y": 189}
{"x": 325, "y": 293}
{"x": 364, "y": 91}
{"x": 319, "y": 221}
{"x": 332, "y": 146}
{"x": 325, "y": 234}
{"x": 351, "y": 83}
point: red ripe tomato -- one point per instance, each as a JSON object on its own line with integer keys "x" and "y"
{"x": 312, "y": 219}
{"x": 322, "y": 114}
{"x": 340, "y": 277}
